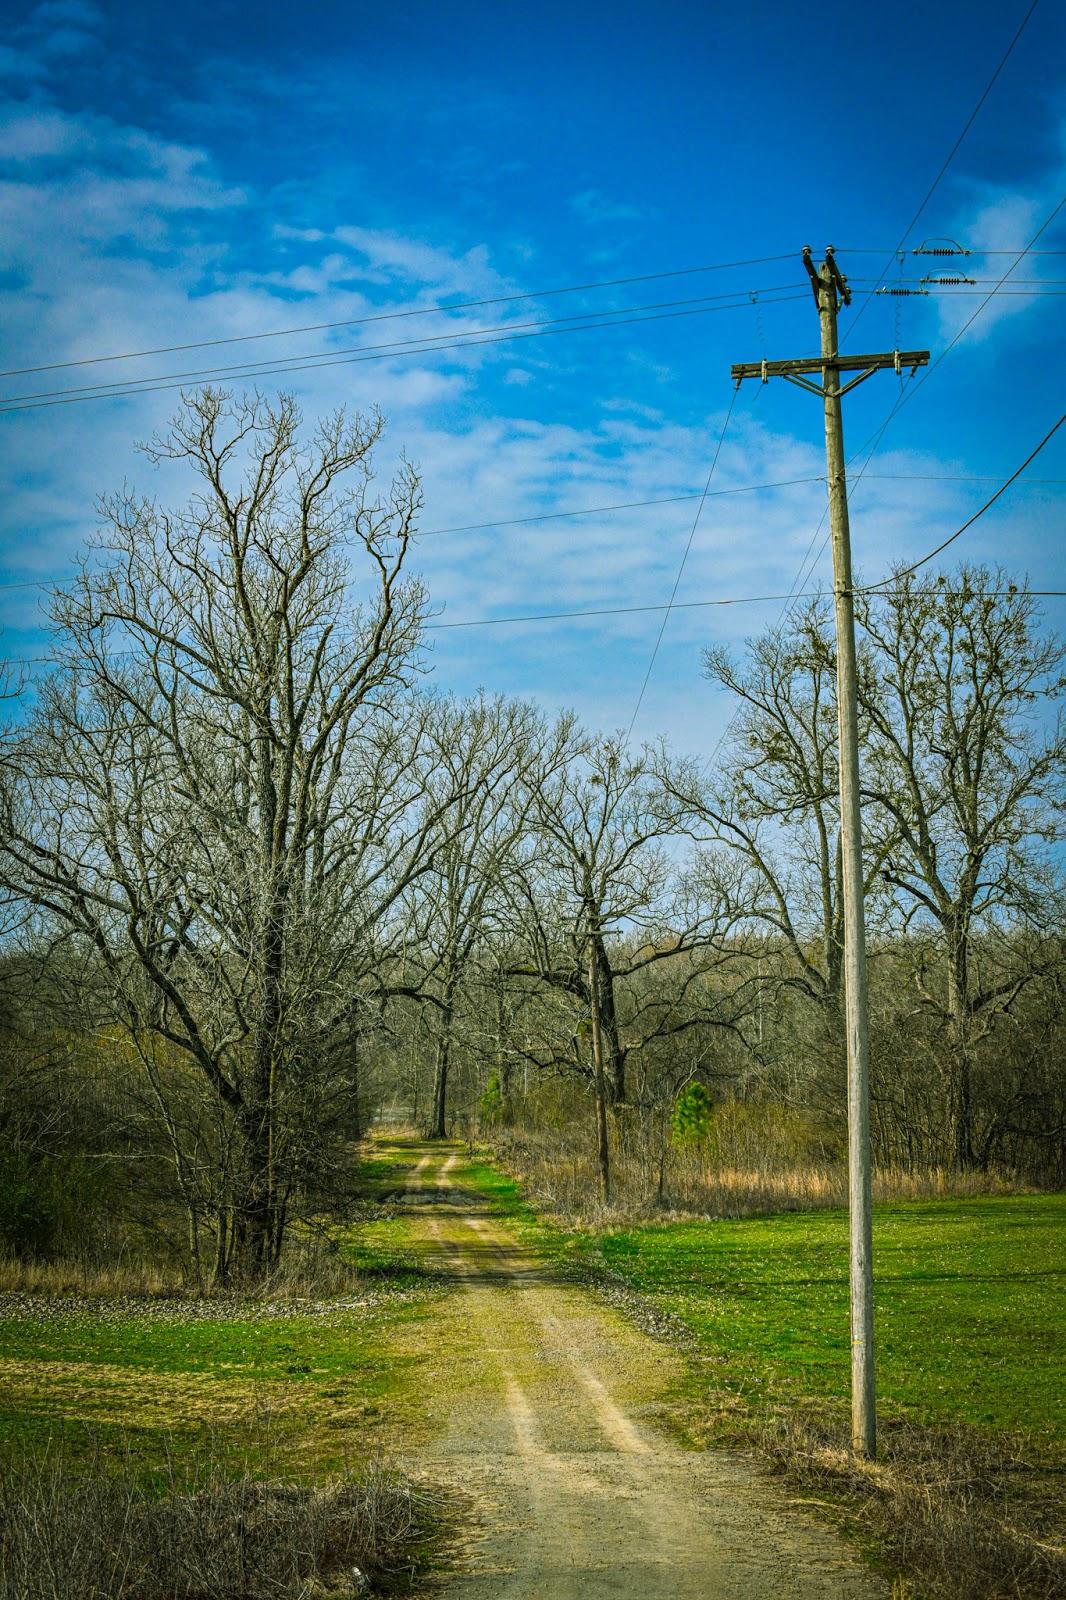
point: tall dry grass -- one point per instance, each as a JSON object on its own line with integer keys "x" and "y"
{"x": 560, "y": 1175}
{"x": 312, "y": 1266}
{"x": 958, "y": 1515}
{"x": 200, "y": 1535}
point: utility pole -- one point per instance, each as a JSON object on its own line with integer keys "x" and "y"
{"x": 598, "y": 1079}
{"x": 830, "y": 289}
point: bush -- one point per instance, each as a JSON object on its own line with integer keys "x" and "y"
{"x": 492, "y": 1101}
{"x": 693, "y": 1109}
{"x": 46, "y": 1204}
{"x": 205, "y": 1537}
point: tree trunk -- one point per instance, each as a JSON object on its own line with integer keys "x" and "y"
{"x": 255, "y": 1241}
{"x": 614, "y": 1059}
{"x": 438, "y": 1127}
{"x": 961, "y": 1086}
{"x": 503, "y": 1064}
{"x": 602, "y": 1145}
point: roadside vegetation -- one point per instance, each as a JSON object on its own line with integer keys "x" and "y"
{"x": 263, "y": 887}
{"x": 201, "y": 1447}
{"x": 966, "y": 1497}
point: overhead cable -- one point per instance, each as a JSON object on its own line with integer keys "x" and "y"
{"x": 684, "y": 559}
{"x": 391, "y": 316}
{"x": 471, "y": 342}
{"x": 906, "y": 572}
{"x": 949, "y": 158}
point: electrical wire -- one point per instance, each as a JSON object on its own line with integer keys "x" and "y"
{"x": 681, "y": 568}
{"x": 637, "y": 505}
{"x": 874, "y": 441}
{"x": 328, "y": 357}
{"x": 516, "y": 522}
{"x": 967, "y": 125}
{"x": 470, "y": 342}
{"x": 390, "y": 316}
{"x": 598, "y": 611}
{"x": 906, "y": 572}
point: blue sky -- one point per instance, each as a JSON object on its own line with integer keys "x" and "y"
{"x": 172, "y": 175}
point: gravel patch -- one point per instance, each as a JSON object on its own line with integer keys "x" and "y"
{"x": 17, "y": 1306}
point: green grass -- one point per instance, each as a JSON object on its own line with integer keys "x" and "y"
{"x": 971, "y": 1306}
{"x": 300, "y": 1348}
{"x": 122, "y": 1377}
{"x": 504, "y": 1194}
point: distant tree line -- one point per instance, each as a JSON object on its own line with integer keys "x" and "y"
{"x": 262, "y": 884}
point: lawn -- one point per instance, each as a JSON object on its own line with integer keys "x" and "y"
{"x": 314, "y": 1383}
{"x": 971, "y": 1306}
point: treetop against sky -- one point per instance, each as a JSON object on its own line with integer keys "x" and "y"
{"x": 179, "y": 177}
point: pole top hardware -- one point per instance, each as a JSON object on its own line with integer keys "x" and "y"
{"x": 940, "y": 246}
{"x": 816, "y": 282}
{"x": 836, "y": 275}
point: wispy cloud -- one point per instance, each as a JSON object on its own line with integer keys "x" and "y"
{"x": 594, "y": 207}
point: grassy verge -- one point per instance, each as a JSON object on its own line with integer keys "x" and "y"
{"x": 149, "y": 1413}
{"x": 966, "y": 1498}
{"x": 971, "y": 1303}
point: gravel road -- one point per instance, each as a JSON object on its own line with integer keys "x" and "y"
{"x": 541, "y": 1406}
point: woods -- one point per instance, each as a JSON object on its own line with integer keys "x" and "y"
{"x": 263, "y": 884}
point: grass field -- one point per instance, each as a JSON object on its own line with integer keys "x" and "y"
{"x": 309, "y": 1384}
{"x": 971, "y": 1306}
{"x": 971, "y": 1302}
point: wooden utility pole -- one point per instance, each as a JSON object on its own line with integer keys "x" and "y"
{"x": 598, "y": 1076}
{"x": 830, "y": 289}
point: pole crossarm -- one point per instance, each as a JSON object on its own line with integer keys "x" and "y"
{"x": 863, "y": 365}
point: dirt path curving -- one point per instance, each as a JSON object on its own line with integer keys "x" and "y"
{"x": 540, "y": 1403}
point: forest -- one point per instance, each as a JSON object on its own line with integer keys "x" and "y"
{"x": 265, "y": 888}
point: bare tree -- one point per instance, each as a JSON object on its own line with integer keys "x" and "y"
{"x": 605, "y": 900}
{"x": 492, "y": 755}
{"x": 774, "y": 800}
{"x": 208, "y": 791}
{"x": 967, "y": 759}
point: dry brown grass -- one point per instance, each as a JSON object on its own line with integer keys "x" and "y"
{"x": 312, "y": 1267}
{"x": 958, "y": 1516}
{"x": 560, "y": 1176}
{"x": 198, "y": 1535}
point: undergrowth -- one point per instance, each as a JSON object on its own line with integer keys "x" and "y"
{"x": 192, "y": 1532}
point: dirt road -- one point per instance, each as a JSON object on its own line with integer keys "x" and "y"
{"x": 540, "y": 1404}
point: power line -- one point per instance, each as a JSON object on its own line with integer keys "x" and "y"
{"x": 635, "y": 505}
{"x": 873, "y": 443}
{"x": 311, "y": 358}
{"x": 516, "y": 522}
{"x": 909, "y": 393}
{"x": 470, "y": 342}
{"x": 684, "y": 559}
{"x": 978, "y": 250}
{"x": 949, "y": 158}
{"x": 632, "y": 505}
{"x": 603, "y": 611}
{"x": 390, "y": 316}
{"x": 874, "y": 440}
{"x": 978, "y": 513}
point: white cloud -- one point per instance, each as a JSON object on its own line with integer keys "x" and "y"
{"x": 594, "y": 207}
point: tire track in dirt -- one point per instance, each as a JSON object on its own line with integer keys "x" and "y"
{"x": 541, "y": 1402}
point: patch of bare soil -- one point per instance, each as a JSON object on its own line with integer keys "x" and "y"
{"x": 541, "y": 1403}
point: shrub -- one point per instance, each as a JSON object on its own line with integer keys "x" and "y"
{"x": 693, "y": 1110}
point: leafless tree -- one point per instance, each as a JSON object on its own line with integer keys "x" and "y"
{"x": 222, "y": 787}
{"x": 494, "y": 755}
{"x": 606, "y": 899}
{"x": 966, "y": 758}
